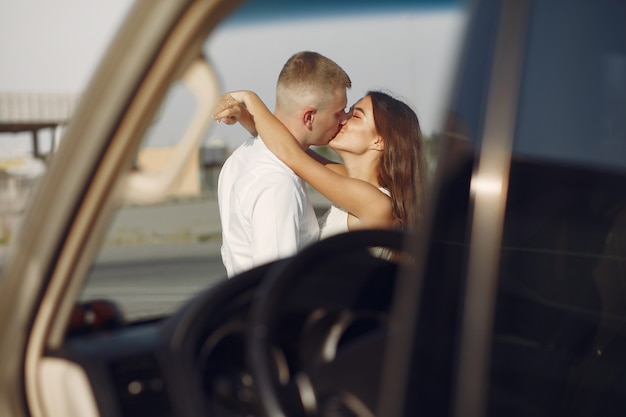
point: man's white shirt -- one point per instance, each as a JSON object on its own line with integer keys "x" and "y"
{"x": 264, "y": 208}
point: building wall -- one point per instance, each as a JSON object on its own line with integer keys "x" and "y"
{"x": 155, "y": 159}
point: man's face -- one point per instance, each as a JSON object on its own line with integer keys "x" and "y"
{"x": 328, "y": 120}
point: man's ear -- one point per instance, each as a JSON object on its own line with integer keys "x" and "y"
{"x": 308, "y": 117}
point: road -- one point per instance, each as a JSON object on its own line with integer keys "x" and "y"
{"x": 153, "y": 279}
{"x": 157, "y": 257}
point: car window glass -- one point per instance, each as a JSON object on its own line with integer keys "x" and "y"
{"x": 573, "y": 93}
{"x": 561, "y": 311}
{"x": 156, "y": 256}
{"x": 558, "y": 339}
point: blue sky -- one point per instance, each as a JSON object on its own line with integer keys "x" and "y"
{"x": 278, "y": 9}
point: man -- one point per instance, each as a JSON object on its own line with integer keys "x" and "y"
{"x": 264, "y": 207}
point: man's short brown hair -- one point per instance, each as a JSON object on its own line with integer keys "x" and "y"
{"x": 310, "y": 74}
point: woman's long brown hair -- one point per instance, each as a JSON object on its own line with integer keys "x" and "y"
{"x": 403, "y": 165}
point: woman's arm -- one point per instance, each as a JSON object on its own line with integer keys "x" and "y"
{"x": 231, "y": 111}
{"x": 359, "y": 198}
{"x": 334, "y": 165}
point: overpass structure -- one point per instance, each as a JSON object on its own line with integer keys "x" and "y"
{"x": 32, "y": 112}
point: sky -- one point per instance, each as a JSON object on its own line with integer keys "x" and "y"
{"x": 55, "y": 45}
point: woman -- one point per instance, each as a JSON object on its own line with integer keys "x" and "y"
{"x": 381, "y": 182}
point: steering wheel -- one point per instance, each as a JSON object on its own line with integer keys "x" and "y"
{"x": 351, "y": 253}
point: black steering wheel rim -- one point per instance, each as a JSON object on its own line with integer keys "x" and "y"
{"x": 275, "y": 286}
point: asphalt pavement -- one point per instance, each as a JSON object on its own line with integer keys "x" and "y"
{"x": 182, "y": 228}
{"x": 155, "y": 257}
{"x": 158, "y": 256}
{"x": 176, "y": 229}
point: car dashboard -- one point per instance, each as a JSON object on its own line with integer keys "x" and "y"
{"x": 199, "y": 361}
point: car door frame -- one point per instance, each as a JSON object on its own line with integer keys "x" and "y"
{"x": 72, "y": 207}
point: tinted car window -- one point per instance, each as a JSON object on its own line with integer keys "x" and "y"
{"x": 560, "y": 312}
{"x": 556, "y": 346}
{"x": 573, "y": 94}
{"x": 560, "y": 297}
{"x": 560, "y": 308}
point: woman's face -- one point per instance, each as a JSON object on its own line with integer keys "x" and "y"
{"x": 358, "y": 133}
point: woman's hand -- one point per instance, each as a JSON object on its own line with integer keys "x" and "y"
{"x": 229, "y": 110}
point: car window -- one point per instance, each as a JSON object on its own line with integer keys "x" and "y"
{"x": 573, "y": 94}
{"x": 560, "y": 310}
{"x": 157, "y": 254}
{"x": 560, "y": 305}
{"x": 556, "y": 344}
{"x": 555, "y": 335}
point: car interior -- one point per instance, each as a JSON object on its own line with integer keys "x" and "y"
{"x": 511, "y": 300}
